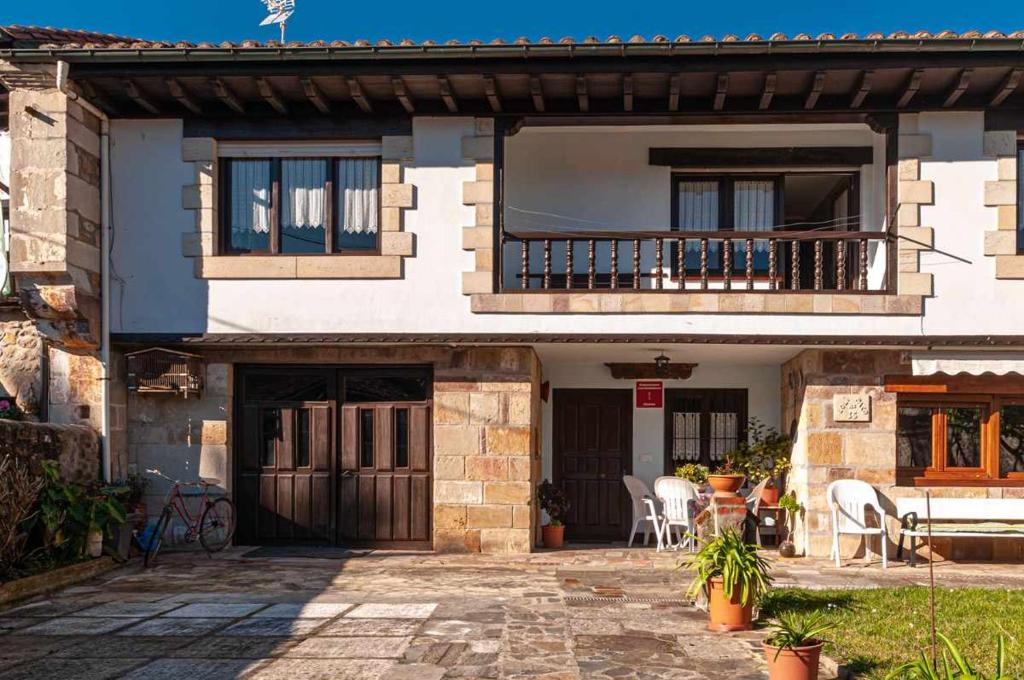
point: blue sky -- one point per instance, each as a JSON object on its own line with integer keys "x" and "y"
{"x": 464, "y": 19}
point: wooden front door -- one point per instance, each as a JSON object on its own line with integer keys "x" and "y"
{"x": 285, "y": 476}
{"x": 384, "y": 495}
{"x": 593, "y": 449}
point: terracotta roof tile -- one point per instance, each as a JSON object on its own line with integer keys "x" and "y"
{"x": 58, "y": 38}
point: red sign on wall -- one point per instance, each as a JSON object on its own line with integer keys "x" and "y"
{"x": 650, "y": 394}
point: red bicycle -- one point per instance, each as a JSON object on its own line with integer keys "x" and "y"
{"x": 213, "y": 522}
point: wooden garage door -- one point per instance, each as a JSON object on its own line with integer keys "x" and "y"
{"x": 285, "y": 473}
{"x": 384, "y": 494}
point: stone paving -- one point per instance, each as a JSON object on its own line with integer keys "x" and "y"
{"x": 578, "y": 613}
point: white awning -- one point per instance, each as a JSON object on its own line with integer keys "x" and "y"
{"x": 970, "y": 363}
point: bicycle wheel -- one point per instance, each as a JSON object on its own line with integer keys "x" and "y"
{"x": 156, "y": 539}
{"x": 217, "y": 525}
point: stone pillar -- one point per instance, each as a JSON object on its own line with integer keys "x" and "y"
{"x": 486, "y": 450}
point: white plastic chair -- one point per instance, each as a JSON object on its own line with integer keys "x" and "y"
{"x": 645, "y": 512}
{"x": 675, "y": 494}
{"x": 848, "y": 500}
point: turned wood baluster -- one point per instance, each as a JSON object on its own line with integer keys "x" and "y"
{"x": 590, "y": 264}
{"x": 841, "y": 265}
{"x": 525, "y": 261}
{"x": 750, "y": 263}
{"x": 615, "y": 264}
{"x": 727, "y": 263}
{"x": 681, "y": 263}
{"x": 703, "y": 264}
{"x": 568, "y": 263}
{"x": 817, "y": 264}
{"x": 547, "y": 263}
{"x": 863, "y": 256}
{"x": 773, "y": 264}
{"x": 658, "y": 263}
{"x": 795, "y": 250}
{"x": 636, "y": 264}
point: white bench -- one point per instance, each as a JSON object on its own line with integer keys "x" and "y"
{"x": 958, "y": 517}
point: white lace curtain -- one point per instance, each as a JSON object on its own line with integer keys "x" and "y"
{"x": 250, "y": 196}
{"x": 698, "y": 211}
{"x": 754, "y": 208}
{"x": 358, "y": 189}
{"x": 303, "y": 193}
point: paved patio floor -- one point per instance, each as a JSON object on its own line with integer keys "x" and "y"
{"x": 577, "y": 613}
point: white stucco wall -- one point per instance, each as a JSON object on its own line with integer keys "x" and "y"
{"x": 155, "y": 290}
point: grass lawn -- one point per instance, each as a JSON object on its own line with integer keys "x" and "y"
{"x": 881, "y": 628}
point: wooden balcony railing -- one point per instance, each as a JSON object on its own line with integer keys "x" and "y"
{"x": 713, "y": 261}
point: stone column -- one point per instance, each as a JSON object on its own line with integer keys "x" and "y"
{"x": 486, "y": 452}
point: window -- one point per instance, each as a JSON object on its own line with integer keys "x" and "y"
{"x": 301, "y": 205}
{"x": 796, "y": 201}
{"x": 946, "y": 439}
{"x": 702, "y": 425}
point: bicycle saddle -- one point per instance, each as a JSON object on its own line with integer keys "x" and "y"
{"x": 212, "y": 481}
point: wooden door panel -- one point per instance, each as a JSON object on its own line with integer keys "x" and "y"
{"x": 592, "y": 451}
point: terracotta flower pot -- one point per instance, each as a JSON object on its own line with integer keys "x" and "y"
{"x": 770, "y": 495}
{"x": 726, "y": 485}
{"x": 553, "y": 536}
{"x": 727, "y": 614}
{"x": 793, "y": 663}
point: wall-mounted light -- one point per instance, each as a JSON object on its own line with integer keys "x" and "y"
{"x": 661, "y": 366}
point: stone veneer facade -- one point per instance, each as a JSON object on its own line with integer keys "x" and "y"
{"x": 826, "y": 450}
{"x": 486, "y": 421}
{"x": 912, "y": 193}
{"x": 1001, "y": 194}
{"x": 202, "y": 244}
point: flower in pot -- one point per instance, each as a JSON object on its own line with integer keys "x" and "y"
{"x": 794, "y": 646}
{"x": 554, "y": 502}
{"x": 734, "y": 576}
{"x": 793, "y": 508}
{"x": 727, "y": 478}
{"x": 765, "y": 455}
{"x": 693, "y": 472}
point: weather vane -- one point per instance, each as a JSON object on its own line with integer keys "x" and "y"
{"x": 278, "y": 13}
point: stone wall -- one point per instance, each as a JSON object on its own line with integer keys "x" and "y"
{"x": 827, "y": 448}
{"x": 21, "y": 359}
{"x": 75, "y": 447}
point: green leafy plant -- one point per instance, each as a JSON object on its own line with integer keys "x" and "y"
{"x": 953, "y": 665}
{"x": 694, "y": 472}
{"x": 736, "y": 562}
{"x": 554, "y": 502}
{"x": 790, "y": 504}
{"x": 71, "y": 511}
{"x": 728, "y": 467}
{"x": 765, "y": 453}
{"x": 793, "y": 629}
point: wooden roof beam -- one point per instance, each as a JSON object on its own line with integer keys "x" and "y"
{"x": 768, "y": 92}
{"x": 93, "y": 95}
{"x": 963, "y": 81}
{"x": 133, "y": 92}
{"x": 674, "y": 87}
{"x": 1007, "y": 87}
{"x": 227, "y": 96}
{"x": 355, "y": 90}
{"x": 913, "y": 85}
{"x": 491, "y": 92}
{"x": 627, "y": 92}
{"x": 183, "y": 97}
{"x": 447, "y": 94}
{"x": 537, "y": 94}
{"x": 863, "y": 89}
{"x": 582, "y": 98}
{"x": 402, "y": 94}
{"x": 816, "y": 87}
{"x": 721, "y": 90}
{"x": 269, "y": 96}
{"x": 315, "y": 95}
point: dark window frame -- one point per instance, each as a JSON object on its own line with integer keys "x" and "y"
{"x": 330, "y": 248}
{"x": 1020, "y": 199}
{"x": 726, "y": 206}
{"x": 740, "y": 398}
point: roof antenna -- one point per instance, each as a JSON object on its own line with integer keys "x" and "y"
{"x": 278, "y": 13}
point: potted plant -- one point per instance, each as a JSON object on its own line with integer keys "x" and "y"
{"x": 726, "y": 479}
{"x": 793, "y": 648}
{"x": 954, "y": 666}
{"x": 76, "y": 516}
{"x": 554, "y": 502}
{"x": 733, "y": 575}
{"x": 693, "y": 472}
{"x": 793, "y": 508}
{"x": 765, "y": 454}
{"x": 9, "y": 410}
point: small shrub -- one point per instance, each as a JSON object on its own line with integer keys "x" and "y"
{"x": 554, "y": 502}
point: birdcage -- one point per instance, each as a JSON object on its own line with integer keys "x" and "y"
{"x": 164, "y": 371}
